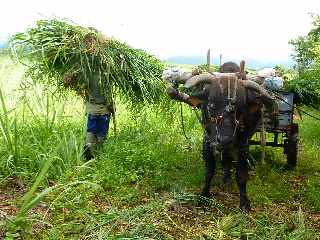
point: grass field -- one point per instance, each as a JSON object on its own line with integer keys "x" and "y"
{"x": 144, "y": 183}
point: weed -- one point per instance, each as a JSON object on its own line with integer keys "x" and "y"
{"x": 144, "y": 182}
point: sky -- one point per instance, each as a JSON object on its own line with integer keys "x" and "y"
{"x": 244, "y": 29}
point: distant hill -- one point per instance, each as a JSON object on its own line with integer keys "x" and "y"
{"x": 3, "y": 45}
{"x": 197, "y": 60}
{"x": 250, "y": 63}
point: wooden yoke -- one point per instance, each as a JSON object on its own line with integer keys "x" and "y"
{"x": 208, "y": 60}
{"x": 242, "y": 70}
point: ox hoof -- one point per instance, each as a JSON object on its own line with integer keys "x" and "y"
{"x": 245, "y": 206}
{"x": 289, "y": 167}
{"x": 205, "y": 194}
{"x": 227, "y": 187}
{"x": 227, "y": 184}
{"x": 226, "y": 181}
{"x": 204, "y": 199}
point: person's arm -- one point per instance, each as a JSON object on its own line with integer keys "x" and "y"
{"x": 183, "y": 97}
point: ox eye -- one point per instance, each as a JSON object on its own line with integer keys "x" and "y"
{"x": 219, "y": 120}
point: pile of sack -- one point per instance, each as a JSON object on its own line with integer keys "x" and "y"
{"x": 268, "y": 79}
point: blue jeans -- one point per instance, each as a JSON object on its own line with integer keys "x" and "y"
{"x": 98, "y": 125}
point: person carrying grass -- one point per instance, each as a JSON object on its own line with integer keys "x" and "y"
{"x": 98, "y": 101}
{"x": 99, "y": 105}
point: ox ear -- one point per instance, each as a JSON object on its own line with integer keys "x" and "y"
{"x": 194, "y": 101}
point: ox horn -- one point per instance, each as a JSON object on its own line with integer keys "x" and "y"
{"x": 184, "y": 77}
{"x": 209, "y": 78}
{"x": 201, "y": 78}
{"x": 256, "y": 87}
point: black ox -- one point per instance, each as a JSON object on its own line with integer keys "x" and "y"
{"x": 231, "y": 112}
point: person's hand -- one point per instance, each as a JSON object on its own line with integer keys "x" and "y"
{"x": 69, "y": 80}
{"x": 112, "y": 108}
{"x": 194, "y": 101}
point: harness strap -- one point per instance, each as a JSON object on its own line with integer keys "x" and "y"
{"x": 235, "y": 90}
{"x": 229, "y": 88}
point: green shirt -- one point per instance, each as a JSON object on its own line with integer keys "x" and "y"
{"x": 98, "y": 99}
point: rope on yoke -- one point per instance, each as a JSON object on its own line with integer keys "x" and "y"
{"x": 308, "y": 114}
{"x": 298, "y": 109}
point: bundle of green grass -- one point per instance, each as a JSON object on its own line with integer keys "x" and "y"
{"x": 62, "y": 54}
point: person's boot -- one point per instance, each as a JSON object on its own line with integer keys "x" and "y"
{"x": 88, "y": 147}
{"x": 87, "y": 152}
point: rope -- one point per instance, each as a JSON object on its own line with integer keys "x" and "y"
{"x": 198, "y": 117}
{"x": 229, "y": 89}
{"x": 235, "y": 90}
{"x": 182, "y": 123}
{"x": 308, "y": 114}
{"x": 113, "y": 110}
{"x": 113, "y": 113}
{"x": 299, "y": 109}
{"x": 234, "y": 99}
{"x": 263, "y": 137}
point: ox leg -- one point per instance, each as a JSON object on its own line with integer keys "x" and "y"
{"x": 209, "y": 160}
{"x": 226, "y": 166}
{"x": 242, "y": 175}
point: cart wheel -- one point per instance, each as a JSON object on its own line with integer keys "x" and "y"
{"x": 292, "y": 147}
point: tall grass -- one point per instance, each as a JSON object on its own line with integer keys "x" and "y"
{"x": 144, "y": 182}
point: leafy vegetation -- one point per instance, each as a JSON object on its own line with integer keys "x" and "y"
{"x": 307, "y": 56}
{"x": 144, "y": 183}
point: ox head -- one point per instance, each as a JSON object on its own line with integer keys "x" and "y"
{"x": 222, "y": 106}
